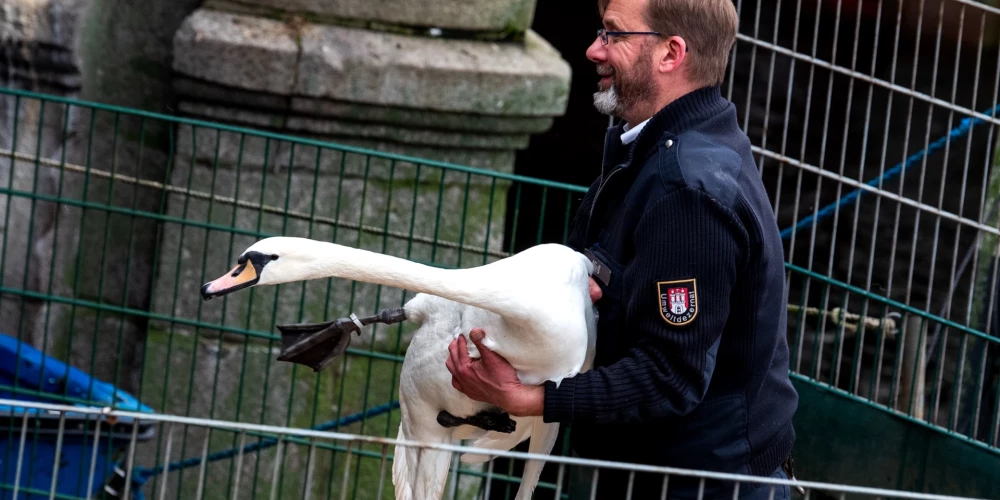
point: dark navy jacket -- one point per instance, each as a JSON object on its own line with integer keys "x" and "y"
{"x": 692, "y": 361}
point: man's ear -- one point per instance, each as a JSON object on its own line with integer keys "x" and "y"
{"x": 672, "y": 55}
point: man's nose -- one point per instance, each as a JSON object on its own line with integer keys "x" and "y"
{"x": 597, "y": 52}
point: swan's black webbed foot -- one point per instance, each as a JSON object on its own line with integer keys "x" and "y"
{"x": 317, "y": 344}
{"x": 490, "y": 420}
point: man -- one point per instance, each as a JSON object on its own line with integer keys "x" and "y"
{"x": 691, "y": 367}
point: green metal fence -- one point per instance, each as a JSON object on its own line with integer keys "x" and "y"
{"x": 112, "y": 219}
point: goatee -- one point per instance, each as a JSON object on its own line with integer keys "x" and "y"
{"x": 606, "y": 101}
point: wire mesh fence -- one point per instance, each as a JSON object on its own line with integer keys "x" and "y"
{"x": 874, "y": 124}
{"x": 875, "y": 127}
{"x": 111, "y": 219}
{"x": 231, "y": 460}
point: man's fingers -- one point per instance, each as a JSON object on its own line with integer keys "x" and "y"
{"x": 450, "y": 363}
{"x": 477, "y": 335}
{"x": 595, "y": 291}
{"x": 458, "y": 355}
{"x": 492, "y": 360}
{"x": 454, "y": 363}
{"x": 461, "y": 350}
{"x": 453, "y": 352}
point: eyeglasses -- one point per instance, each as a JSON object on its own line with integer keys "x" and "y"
{"x": 603, "y": 34}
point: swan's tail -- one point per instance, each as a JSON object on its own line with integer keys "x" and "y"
{"x": 420, "y": 473}
{"x": 400, "y": 467}
{"x": 543, "y": 438}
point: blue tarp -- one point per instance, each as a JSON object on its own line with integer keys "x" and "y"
{"x": 28, "y": 369}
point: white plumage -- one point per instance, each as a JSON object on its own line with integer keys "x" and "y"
{"x": 535, "y": 308}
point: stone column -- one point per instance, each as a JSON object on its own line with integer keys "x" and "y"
{"x": 464, "y": 81}
{"x": 37, "y": 53}
{"x": 97, "y": 50}
{"x": 446, "y": 92}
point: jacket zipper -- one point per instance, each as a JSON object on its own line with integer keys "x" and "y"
{"x": 604, "y": 180}
{"x": 597, "y": 195}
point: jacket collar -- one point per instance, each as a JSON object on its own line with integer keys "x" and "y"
{"x": 676, "y": 118}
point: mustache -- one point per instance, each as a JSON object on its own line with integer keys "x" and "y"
{"x": 605, "y": 70}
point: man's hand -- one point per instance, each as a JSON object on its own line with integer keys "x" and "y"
{"x": 491, "y": 379}
{"x": 595, "y": 291}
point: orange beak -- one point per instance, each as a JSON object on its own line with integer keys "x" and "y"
{"x": 242, "y": 276}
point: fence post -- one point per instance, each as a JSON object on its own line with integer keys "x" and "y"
{"x": 913, "y": 376}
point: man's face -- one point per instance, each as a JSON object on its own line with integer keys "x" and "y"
{"x": 625, "y": 63}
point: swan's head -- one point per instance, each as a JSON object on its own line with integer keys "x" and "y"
{"x": 270, "y": 261}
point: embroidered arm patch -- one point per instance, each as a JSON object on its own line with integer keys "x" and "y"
{"x": 678, "y": 301}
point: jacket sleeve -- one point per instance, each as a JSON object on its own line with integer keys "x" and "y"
{"x": 686, "y": 237}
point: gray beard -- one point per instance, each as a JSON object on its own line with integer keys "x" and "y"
{"x": 606, "y": 101}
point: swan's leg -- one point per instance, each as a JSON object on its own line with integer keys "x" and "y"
{"x": 543, "y": 438}
{"x": 432, "y": 473}
{"x": 497, "y": 441}
{"x": 316, "y": 344}
{"x": 489, "y": 420}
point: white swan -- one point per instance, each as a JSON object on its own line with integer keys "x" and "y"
{"x": 535, "y": 307}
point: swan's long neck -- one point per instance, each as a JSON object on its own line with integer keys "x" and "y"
{"x": 473, "y": 286}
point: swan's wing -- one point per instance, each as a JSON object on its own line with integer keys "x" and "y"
{"x": 541, "y": 284}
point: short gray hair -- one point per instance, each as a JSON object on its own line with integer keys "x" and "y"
{"x": 708, "y": 26}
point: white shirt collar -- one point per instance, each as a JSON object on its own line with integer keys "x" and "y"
{"x": 631, "y": 133}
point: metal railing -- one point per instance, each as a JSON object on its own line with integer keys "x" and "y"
{"x": 221, "y": 463}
